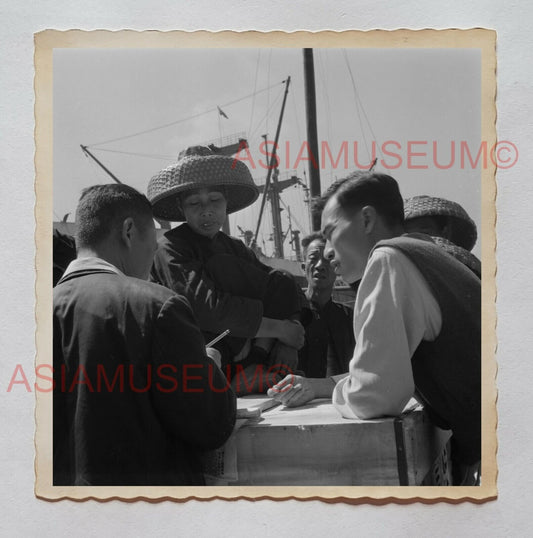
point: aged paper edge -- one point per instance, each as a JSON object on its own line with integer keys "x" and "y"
{"x": 46, "y": 41}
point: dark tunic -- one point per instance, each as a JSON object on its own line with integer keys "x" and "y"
{"x": 227, "y": 286}
{"x": 329, "y": 341}
{"x": 136, "y": 400}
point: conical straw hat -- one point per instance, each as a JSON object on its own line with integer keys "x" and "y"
{"x": 463, "y": 230}
{"x": 199, "y": 167}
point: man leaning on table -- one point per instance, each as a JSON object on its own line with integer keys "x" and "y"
{"x": 417, "y": 321}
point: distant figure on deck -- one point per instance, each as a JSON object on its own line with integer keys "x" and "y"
{"x": 227, "y": 286}
{"x": 448, "y": 225}
{"x": 417, "y": 321}
{"x": 329, "y": 341}
{"x": 136, "y": 399}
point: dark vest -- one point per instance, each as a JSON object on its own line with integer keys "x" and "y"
{"x": 447, "y": 371}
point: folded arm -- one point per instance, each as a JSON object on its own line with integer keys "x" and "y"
{"x": 216, "y": 310}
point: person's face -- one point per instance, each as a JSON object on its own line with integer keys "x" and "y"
{"x": 425, "y": 225}
{"x": 348, "y": 242}
{"x": 318, "y": 270}
{"x": 142, "y": 249}
{"x": 205, "y": 211}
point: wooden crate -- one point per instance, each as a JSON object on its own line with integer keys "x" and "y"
{"x": 313, "y": 445}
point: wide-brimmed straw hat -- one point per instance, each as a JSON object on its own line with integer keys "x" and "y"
{"x": 199, "y": 167}
{"x": 462, "y": 229}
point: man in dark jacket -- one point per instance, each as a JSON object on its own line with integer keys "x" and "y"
{"x": 136, "y": 398}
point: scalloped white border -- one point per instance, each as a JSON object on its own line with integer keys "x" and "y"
{"x": 477, "y": 38}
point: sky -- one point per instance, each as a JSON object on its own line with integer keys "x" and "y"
{"x": 401, "y": 101}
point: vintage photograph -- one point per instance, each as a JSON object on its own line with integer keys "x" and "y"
{"x": 266, "y": 260}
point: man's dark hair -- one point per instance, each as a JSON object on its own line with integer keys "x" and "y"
{"x": 103, "y": 208}
{"x": 308, "y": 239}
{"x": 366, "y": 188}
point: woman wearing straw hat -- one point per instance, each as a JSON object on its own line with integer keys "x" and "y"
{"x": 448, "y": 224}
{"x": 227, "y": 286}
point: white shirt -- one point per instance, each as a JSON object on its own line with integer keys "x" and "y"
{"x": 394, "y": 311}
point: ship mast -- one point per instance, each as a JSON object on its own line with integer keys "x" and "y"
{"x": 312, "y": 137}
{"x": 278, "y": 238}
{"x": 273, "y": 196}
{"x": 272, "y": 189}
{"x": 89, "y": 154}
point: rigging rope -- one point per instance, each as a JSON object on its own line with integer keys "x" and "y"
{"x": 255, "y": 86}
{"x": 180, "y": 120}
{"x": 150, "y": 156}
{"x": 267, "y": 113}
{"x": 268, "y": 79}
{"x": 359, "y": 103}
{"x": 298, "y": 130}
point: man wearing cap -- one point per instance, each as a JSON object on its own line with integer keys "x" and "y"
{"x": 448, "y": 225}
{"x": 136, "y": 399}
{"x": 227, "y": 286}
{"x": 417, "y": 321}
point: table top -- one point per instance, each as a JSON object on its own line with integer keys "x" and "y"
{"x": 314, "y": 445}
{"x": 316, "y": 412}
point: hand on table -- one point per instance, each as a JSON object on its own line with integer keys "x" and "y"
{"x": 293, "y": 391}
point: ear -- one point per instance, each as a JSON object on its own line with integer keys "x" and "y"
{"x": 127, "y": 231}
{"x": 369, "y": 216}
